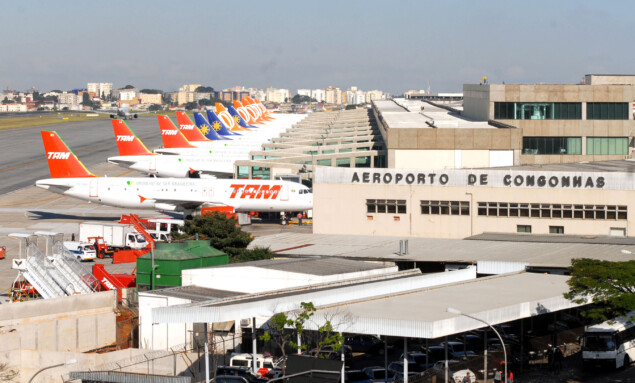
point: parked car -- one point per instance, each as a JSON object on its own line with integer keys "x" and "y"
{"x": 458, "y": 349}
{"x": 420, "y": 358}
{"x": 328, "y": 352}
{"x": 367, "y": 344}
{"x": 378, "y": 374}
{"x": 413, "y": 368}
{"x": 357, "y": 376}
{"x": 83, "y": 251}
{"x": 454, "y": 369}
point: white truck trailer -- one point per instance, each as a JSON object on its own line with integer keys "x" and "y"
{"x": 116, "y": 235}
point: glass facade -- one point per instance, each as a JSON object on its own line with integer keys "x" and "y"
{"x": 538, "y": 110}
{"x": 607, "y": 145}
{"x": 607, "y": 110}
{"x": 552, "y": 145}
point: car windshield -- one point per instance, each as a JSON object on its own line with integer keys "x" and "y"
{"x": 140, "y": 238}
{"x": 268, "y": 365}
{"x": 240, "y": 363}
{"x": 89, "y": 247}
{"x": 599, "y": 342}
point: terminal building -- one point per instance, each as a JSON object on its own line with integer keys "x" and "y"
{"x": 576, "y": 199}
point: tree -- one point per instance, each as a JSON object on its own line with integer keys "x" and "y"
{"x": 56, "y": 91}
{"x": 204, "y": 89}
{"x": 86, "y": 100}
{"x": 129, "y": 86}
{"x": 299, "y": 99}
{"x": 226, "y": 236}
{"x": 610, "y": 286}
{"x": 205, "y": 102}
{"x": 155, "y": 107}
{"x": 151, "y": 91}
{"x": 277, "y": 327}
{"x": 191, "y": 105}
{"x": 350, "y": 107}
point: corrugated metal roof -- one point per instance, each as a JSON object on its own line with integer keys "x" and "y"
{"x": 423, "y": 313}
{"x": 194, "y": 293}
{"x": 546, "y": 238}
{"x": 312, "y": 266}
{"x": 535, "y": 254}
{"x": 127, "y": 377}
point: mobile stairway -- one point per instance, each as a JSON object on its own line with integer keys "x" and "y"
{"x": 54, "y": 274}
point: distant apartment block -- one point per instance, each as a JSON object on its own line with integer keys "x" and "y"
{"x": 333, "y": 95}
{"x": 374, "y": 95}
{"x": 189, "y": 87}
{"x": 318, "y": 95}
{"x": 100, "y": 89}
{"x": 6, "y": 108}
{"x": 277, "y": 95}
{"x": 68, "y": 98}
{"x": 146, "y": 98}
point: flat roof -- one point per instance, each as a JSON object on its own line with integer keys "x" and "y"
{"x": 407, "y": 114}
{"x": 311, "y": 266}
{"x": 410, "y": 307}
{"x": 619, "y": 166}
{"x": 194, "y": 293}
{"x": 556, "y": 253}
{"x": 422, "y": 313}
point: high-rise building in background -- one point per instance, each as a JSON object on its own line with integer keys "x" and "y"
{"x": 100, "y": 89}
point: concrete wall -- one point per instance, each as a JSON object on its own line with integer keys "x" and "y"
{"x": 446, "y": 159}
{"x": 28, "y": 362}
{"x": 61, "y": 324}
{"x": 476, "y": 101}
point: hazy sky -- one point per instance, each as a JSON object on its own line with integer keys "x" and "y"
{"x": 389, "y": 45}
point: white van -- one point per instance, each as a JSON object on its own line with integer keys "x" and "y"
{"x": 83, "y": 251}
{"x": 265, "y": 363}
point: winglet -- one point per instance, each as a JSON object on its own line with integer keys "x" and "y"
{"x": 128, "y": 143}
{"x": 63, "y": 163}
{"x": 189, "y": 130}
{"x": 171, "y": 135}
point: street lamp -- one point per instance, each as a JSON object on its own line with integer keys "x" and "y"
{"x": 459, "y": 312}
{"x": 71, "y": 361}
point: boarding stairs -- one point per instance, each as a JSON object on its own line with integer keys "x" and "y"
{"x": 56, "y": 275}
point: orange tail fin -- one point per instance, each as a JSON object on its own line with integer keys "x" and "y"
{"x": 188, "y": 128}
{"x": 128, "y": 143}
{"x": 171, "y": 135}
{"x": 228, "y": 119}
{"x": 63, "y": 163}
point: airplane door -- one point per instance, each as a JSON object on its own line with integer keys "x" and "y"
{"x": 93, "y": 188}
{"x": 153, "y": 163}
{"x": 284, "y": 193}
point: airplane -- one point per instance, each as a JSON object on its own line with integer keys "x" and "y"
{"x": 123, "y": 112}
{"x": 71, "y": 178}
{"x": 133, "y": 154}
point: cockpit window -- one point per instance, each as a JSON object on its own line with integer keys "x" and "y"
{"x": 305, "y": 191}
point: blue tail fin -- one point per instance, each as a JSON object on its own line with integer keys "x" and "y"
{"x": 206, "y": 127}
{"x": 218, "y": 125}
{"x": 241, "y": 121}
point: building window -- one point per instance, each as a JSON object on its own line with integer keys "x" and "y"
{"x": 523, "y": 228}
{"x": 556, "y": 229}
{"x": 445, "y": 207}
{"x": 544, "y": 210}
{"x": 552, "y": 145}
{"x": 607, "y": 145}
{"x": 607, "y": 110}
{"x": 538, "y": 110}
{"x": 390, "y": 206}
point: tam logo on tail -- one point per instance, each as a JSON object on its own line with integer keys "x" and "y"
{"x": 125, "y": 138}
{"x": 58, "y": 155}
{"x": 168, "y": 132}
{"x": 186, "y": 127}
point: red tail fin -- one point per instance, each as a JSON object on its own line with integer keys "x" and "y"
{"x": 128, "y": 143}
{"x": 171, "y": 135}
{"x": 62, "y": 162}
{"x": 189, "y": 130}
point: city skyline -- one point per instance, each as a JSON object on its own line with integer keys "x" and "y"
{"x": 390, "y": 46}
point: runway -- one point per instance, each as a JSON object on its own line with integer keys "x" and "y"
{"x": 22, "y": 159}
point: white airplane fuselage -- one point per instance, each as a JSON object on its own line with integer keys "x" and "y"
{"x": 178, "y": 165}
{"x": 181, "y": 194}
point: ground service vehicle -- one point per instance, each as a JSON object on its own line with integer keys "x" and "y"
{"x": 610, "y": 344}
{"x": 263, "y": 366}
{"x": 83, "y": 251}
{"x": 115, "y": 235}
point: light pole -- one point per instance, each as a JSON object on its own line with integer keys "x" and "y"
{"x": 72, "y": 361}
{"x": 459, "y": 312}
